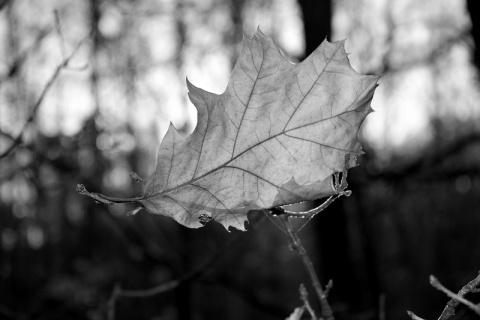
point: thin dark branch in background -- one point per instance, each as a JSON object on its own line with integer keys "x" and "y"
{"x": 425, "y": 166}
{"x": 17, "y": 62}
{"x": 58, "y": 28}
{"x": 250, "y": 295}
{"x": 18, "y": 139}
{"x": 118, "y": 292}
{"x": 3, "y": 3}
{"x": 7, "y": 135}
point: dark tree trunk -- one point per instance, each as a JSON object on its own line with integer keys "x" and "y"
{"x": 334, "y": 228}
{"x": 317, "y": 20}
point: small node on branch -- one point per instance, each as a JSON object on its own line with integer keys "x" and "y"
{"x": 328, "y": 288}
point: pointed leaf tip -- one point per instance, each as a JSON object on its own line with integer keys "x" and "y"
{"x": 274, "y": 137}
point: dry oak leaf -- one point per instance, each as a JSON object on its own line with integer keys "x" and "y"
{"x": 274, "y": 137}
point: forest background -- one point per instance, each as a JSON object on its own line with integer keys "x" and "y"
{"x": 415, "y": 205}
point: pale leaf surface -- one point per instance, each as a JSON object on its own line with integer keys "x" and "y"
{"x": 274, "y": 137}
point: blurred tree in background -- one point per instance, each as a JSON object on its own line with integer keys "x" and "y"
{"x": 415, "y": 205}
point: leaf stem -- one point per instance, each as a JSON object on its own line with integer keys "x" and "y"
{"x": 103, "y": 198}
{"x": 297, "y": 246}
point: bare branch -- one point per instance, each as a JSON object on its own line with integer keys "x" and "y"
{"x": 381, "y": 307}
{"x": 7, "y": 135}
{"x": 58, "y": 28}
{"x": 339, "y": 184}
{"x": 449, "y": 310}
{"x": 297, "y": 246}
{"x": 328, "y": 287}
{"x": 17, "y": 140}
{"x": 304, "y": 297}
{"x": 118, "y": 292}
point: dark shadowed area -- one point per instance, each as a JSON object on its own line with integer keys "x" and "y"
{"x": 88, "y": 89}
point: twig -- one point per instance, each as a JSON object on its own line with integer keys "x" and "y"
{"x": 413, "y": 316}
{"x": 297, "y": 313}
{"x": 58, "y": 28}
{"x": 456, "y": 298}
{"x": 312, "y": 212}
{"x": 339, "y": 184}
{"x": 267, "y": 214}
{"x": 304, "y": 297}
{"x": 16, "y": 141}
{"x": 111, "y": 302}
{"x": 7, "y": 135}
{"x": 297, "y": 246}
{"x": 328, "y": 287}
{"x": 118, "y": 292}
{"x": 381, "y": 307}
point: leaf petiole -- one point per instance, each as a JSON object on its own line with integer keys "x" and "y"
{"x": 103, "y": 198}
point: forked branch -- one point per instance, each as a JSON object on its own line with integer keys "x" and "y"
{"x": 297, "y": 246}
{"x": 456, "y": 298}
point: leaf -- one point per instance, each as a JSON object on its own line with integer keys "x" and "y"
{"x": 274, "y": 137}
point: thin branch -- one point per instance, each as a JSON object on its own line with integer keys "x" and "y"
{"x": 328, "y": 287}
{"x": 267, "y": 214}
{"x": 118, "y": 292}
{"x": 16, "y": 141}
{"x": 7, "y": 135}
{"x": 306, "y": 303}
{"x": 58, "y": 28}
{"x": 381, "y": 307}
{"x": 449, "y": 310}
{"x": 297, "y": 246}
{"x": 297, "y": 313}
{"x": 413, "y": 316}
{"x": 340, "y": 185}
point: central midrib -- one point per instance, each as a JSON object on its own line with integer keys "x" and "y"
{"x": 234, "y": 158}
